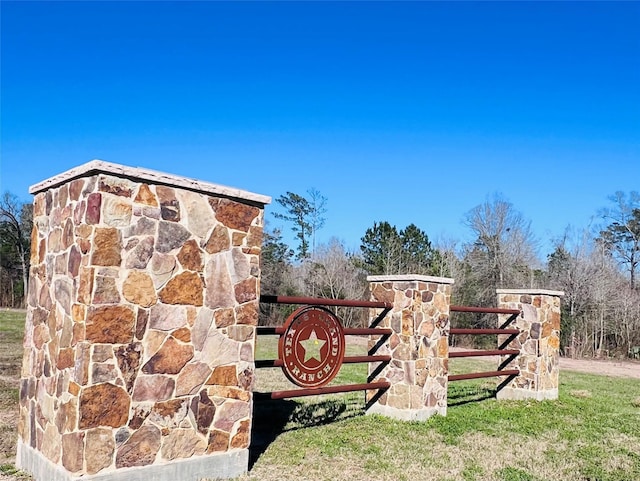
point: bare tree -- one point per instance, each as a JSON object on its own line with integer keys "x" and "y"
{"x": 16, "y": 221}
{"x": 333, "y": 274}
{"x": 504, "y": 251}
{"x": 446, "y": 262}
{"x": 596, "y": 296}
{"x": 622, "y": 234}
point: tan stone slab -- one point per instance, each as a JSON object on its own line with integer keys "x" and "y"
{"x": 531, "y": 292}
{"x": 410, "y": 277}
{"x": 146, "y": 175}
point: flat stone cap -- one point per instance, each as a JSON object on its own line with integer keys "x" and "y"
{"x": 409, "y": 278}
{"x": 147, "y": 175}
{"x": 531, "y": 292}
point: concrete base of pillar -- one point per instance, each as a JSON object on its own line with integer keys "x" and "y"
{"x": 406, "y": 414}
{"x": 515, "y": 394}
{"x": 214, "y": 466}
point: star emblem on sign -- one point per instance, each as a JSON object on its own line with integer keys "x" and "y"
{"x": 312, "y": 347}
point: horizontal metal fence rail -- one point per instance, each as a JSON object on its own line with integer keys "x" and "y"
{"x": 346, "y": 360}
{"x": 483, "y": 310}
{"x": 481, "y": 332}
{"x": 495, "y": 352}
{"x": 513, "y": 313}
{"x": 315, "y": 301}
{"x": 477, "y": 375}
{"x": 326, "y": 390}
{"x": 354, "y": 331}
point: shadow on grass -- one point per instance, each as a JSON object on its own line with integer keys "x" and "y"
{"x": 272, "y": 417}
{"x": 461, "y": 393}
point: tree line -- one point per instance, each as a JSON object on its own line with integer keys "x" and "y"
{"x": 596, "y": 268}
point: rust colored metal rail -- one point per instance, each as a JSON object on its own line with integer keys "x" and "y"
{"x": 346, "y": 360}
{"x": 264, "y": 330}
{"x": 495, "y": 352}
{"x": 364, "y": 331}
{"x": 478, "y": 332}
{"x": 478, "y": 375}
{"x": 354, "y": 359}
{"x": 483, "y": 310}
{"x": 314, "y": 301}
{"x": 329, "y": 390}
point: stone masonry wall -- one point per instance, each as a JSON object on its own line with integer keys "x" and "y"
{"x": 419, "y": 345}
{"x": 139, "y": 338}
{"x": 538, "y": 343}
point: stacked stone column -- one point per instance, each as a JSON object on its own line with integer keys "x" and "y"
{"x": 538, "y": 343}
{"x": 418, "y": 346}
{"x": 139, "y": 340}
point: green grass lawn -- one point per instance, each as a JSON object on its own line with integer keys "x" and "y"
{"x": 591, "y": 433}
{"x": 11, "y": 334}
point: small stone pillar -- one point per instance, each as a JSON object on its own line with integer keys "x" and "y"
{"x": 139, "y": 339}
{"x": 538, "y": 343}
{"x": 419, "y": 346}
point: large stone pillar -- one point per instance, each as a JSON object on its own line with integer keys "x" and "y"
{"x": 139, "y": 340}
{"x": 538, "y": 343}
{"x": 418, "y": 346}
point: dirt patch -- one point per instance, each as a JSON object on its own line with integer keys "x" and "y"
{"x": 615, "y": 368}
{"x": 629, "y": 369}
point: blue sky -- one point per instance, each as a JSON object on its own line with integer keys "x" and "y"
{"x": 402, "y": 112}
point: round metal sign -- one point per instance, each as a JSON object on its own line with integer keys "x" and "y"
{"x": 312, "y": 347}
